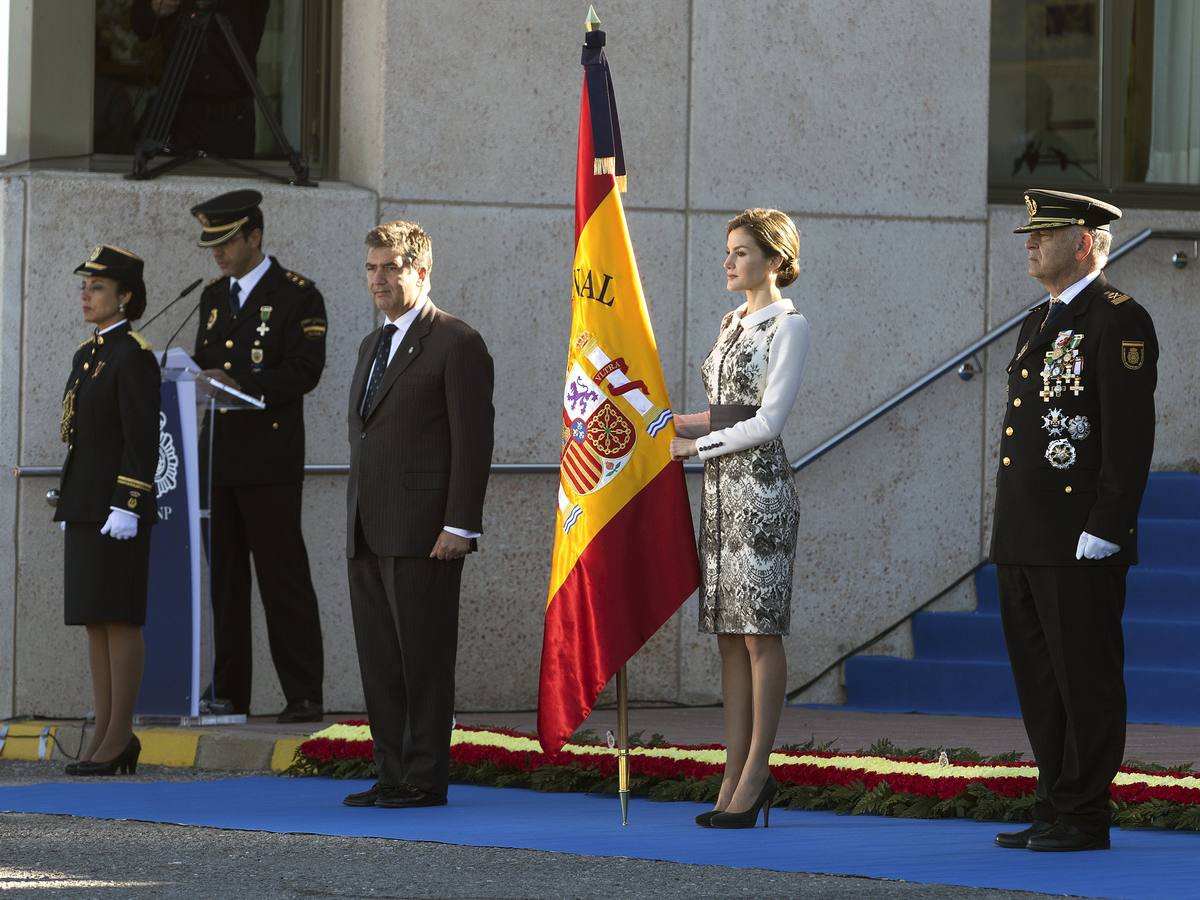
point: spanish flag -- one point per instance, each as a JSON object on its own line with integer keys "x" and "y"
{"x": 624, "y": 550}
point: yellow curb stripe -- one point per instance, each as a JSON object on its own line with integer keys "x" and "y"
{"x": 284, "y": 752}
{"x": 23, "y": 741}
{"x": 168, "y": 748}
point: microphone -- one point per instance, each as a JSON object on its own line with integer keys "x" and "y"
{"x": 191, "y": 287}
{"x": 187, "y": 290}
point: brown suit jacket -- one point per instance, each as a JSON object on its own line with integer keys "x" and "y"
{"x": 421, "y": 455}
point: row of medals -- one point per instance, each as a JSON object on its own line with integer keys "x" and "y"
{"x": 1062, "y": 371}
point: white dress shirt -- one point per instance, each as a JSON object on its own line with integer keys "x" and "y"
{"x": 785, "y": 368}
{"x": 1073, "y": 291}
{"x": 247, "y": 282}
{"x": 403, "y": 323}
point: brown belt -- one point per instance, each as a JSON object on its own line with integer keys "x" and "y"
{"x": 729, "y": 414}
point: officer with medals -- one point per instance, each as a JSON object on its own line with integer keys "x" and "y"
{"x": 107, "y": 499}
{"x": 261, "y": 331}
{"x": 1075, "y": 449}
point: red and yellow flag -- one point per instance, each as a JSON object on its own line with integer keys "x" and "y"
{"x": 624, "y": 549}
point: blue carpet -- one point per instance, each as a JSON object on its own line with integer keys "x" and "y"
{"x": 1141, "y": 865}
{"x": 960, "y": 665}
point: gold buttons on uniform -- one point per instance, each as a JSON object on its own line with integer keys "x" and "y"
{"x": 275, "y": 425}
{"x": 1017, "y": 402}
{"x": 1009, "y": 431}
{"x": 1131, "y": 531}
{"x": 1024, "y": 373}
{"x": 1006, "y": 461}
{"x": 99, "y": 339}
{"x": 1067, "y": 489}
{"x": 229, "y": 345}
{"x": 228, "y": 366}
{"x": 86, "y": 367}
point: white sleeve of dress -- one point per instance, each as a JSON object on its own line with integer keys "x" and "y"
{"x": 785, "y": 368}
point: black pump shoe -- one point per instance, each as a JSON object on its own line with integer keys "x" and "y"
{"x": 749, "y": 818}
{"x": 704, "y": 820}
{"x": 125, "y": 762}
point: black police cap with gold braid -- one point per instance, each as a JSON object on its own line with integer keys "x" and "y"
{"x": 224, "y": 216}
{"x": 1058, "y": 209}
{"x": 108, "y": 261}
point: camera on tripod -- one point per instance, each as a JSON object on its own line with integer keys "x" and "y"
{"x": 156, "y": 137}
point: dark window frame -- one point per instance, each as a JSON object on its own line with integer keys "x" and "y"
{"x": 318, "y": 109}
{"x": 1112, "y": 185}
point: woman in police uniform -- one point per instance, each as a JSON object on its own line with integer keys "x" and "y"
{"x": 106, "y": 501}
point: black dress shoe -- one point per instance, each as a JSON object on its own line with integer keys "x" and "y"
{"x": 301, "y": 711}
{"x": 409, "y": 797}
{"x": 1019, "y": 840}
{"x": 364, "y": 798}
{"x": 125, "y": 762}
{"x": 1064, "y": 838}
{"x": 704, "y": 820}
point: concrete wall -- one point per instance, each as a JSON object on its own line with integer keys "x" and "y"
{"x": 468, "y": 125}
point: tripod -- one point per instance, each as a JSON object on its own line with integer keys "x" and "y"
{"x": 155, "y": 136}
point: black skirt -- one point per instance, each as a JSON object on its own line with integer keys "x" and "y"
{"x": 105, "y": 580}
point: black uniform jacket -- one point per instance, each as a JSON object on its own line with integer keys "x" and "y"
{"x": 421, "y": 456}
{"x": 275, "y": 349}
{"x": 111, "y": 427}
{"x": 1078, "y": 431}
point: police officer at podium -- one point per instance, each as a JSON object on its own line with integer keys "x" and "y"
{"x": 1075, "y": 448}
{"x": 261, "y": 331}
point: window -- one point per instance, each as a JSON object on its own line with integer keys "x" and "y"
{"x": 286, "y": 43}
{"x": 1098, "y": 96}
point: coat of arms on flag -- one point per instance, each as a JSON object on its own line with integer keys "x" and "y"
{"x": 598, "y": 437}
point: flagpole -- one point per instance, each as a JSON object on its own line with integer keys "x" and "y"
{"x": 623, "y": 743}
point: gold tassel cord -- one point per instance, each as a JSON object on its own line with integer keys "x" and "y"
{"x": 66, "y": 425}
{"x": 604, "y": 165}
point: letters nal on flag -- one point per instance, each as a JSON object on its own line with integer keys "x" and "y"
{"x": 624, "y": 550}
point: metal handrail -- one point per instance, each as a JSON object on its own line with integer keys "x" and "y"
{"x": 825, "y": 446}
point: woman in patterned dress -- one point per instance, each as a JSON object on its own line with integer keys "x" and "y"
{"x": 749, "y": 510}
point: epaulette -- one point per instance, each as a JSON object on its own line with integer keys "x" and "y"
{"x": 141, "y": 341}
{"x": 298, "y": 280}
{"x": 214, "y": 281}
{"x": 1116, "y": 298}
{"x": 85, "y": 343}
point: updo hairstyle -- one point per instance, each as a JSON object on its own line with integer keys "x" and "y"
{"x": 135, "y": 306}
{"x": 776, "y": 235}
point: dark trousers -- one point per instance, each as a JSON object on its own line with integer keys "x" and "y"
{"x": 1062, "y": 626}
{"x": 263, "y": 520}
{"x": 406, "y": 629}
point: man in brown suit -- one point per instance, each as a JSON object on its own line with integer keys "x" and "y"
{"x": 420, "y": 452}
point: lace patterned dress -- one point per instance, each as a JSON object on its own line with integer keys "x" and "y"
{"x": 749, "y": 508}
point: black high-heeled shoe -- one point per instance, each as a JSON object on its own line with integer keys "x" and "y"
{"x": 704, "y": 820}
{"x": 125, "y": 762}
{"x": 749, "y": 818}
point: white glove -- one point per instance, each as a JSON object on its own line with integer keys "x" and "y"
{"x": 62, "y": 526}
{"x": 120, "y": 525}
{"x": 1092, "y": 547}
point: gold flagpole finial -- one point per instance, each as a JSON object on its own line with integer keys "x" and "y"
{"x": 592, "y": 22}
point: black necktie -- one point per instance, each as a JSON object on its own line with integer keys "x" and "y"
{"x": 382, "y": 350}
{"x": 1051, "y": 312}
{"x": 234, "y": 304}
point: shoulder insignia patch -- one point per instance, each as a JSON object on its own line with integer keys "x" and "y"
{"x": 141, "y": 340}
{"x": 85, "y": 343}
{"x": 1133, "y": 354}
{"x": 298, "y": 280}
{"x": 313, "y": 328}
{"x": 1116, "y": 298}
